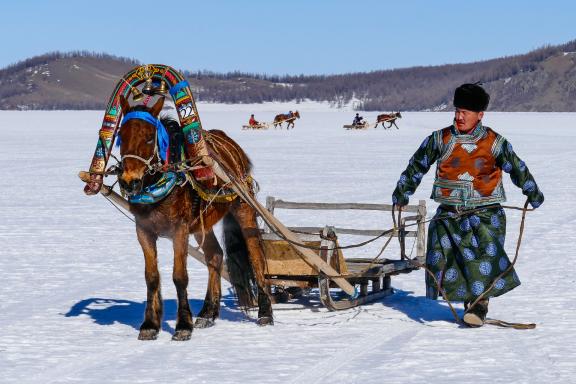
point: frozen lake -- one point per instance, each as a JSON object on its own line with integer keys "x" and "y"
{"x": 72, "y": 272}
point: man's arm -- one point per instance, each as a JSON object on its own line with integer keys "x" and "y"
{"x": 418, "y": 166}
{"x": 519, "y": 173}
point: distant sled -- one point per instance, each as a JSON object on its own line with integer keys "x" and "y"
{"x": 257, "y": 126}
{"x": 364, "y": 125}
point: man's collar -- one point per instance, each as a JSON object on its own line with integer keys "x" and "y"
{"x": 474, "y": 132}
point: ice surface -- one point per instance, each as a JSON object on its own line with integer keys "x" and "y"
{"x": 72, "y": 273}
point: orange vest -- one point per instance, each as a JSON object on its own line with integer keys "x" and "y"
{"x": 466, "y": 173}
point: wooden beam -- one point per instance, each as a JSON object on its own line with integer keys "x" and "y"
{"x": 336, "y": 206}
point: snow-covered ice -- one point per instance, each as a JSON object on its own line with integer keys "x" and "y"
{"x": 72, "y": 274}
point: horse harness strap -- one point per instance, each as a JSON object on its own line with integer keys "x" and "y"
{"x": 160, "y": 133}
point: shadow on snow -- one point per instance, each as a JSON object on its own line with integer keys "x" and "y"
{"x": 109, "y": 311}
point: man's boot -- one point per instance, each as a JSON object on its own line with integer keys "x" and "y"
{"x": 475, "y": 316}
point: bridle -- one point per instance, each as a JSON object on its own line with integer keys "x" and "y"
{"x": 159, "y": 152}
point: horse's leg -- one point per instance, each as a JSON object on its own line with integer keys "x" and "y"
{"x": 184, "y": 323}
{"x": 153, "y": 315}
{"x": 246, "y": 217}
{"x": 214, "y": 256}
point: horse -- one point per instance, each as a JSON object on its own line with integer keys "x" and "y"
{"x": 288, "y": 117}
{"x": 389, "y": 118}
{"x": 183, "y": 212}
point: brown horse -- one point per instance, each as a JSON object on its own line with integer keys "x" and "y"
{"x": 388, "y": 119}
{"x": 181, "y": 213}
{"x": 288, "y": 118}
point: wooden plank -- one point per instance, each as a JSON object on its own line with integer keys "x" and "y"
{"x": 281, "y": 259}
{"x": 350, "y": 231}
{"x": 421, "y": 238}
{"x": 338, "y": 206}
{"x": 301, "y": 236}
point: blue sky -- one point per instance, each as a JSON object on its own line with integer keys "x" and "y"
{"x": 286, "y": 37}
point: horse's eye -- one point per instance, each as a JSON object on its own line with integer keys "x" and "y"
{"x": 151, "y": 141}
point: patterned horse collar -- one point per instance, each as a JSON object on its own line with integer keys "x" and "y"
{"x": 159, "y": 190}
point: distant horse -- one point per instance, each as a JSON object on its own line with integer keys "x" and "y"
{"x": 288, "y": 118}
{"x": 388, "y": 119}
{"x": 183, "y": 212}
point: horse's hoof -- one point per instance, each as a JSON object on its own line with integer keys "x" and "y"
{"x": 182, "y": 335}
{"x": 203, "y": 322}
{"x": 265, "y": 320}
{"x": 148, "y": 334}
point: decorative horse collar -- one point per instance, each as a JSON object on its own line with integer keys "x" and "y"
{"x": 159, "y": 190}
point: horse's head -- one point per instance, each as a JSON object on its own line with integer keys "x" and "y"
{"x": 296, "y": 114}
{"x": 398, "y": 115}
{"x": 141, "y": 141}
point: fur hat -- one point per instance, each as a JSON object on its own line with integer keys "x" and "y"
{"x": 471, "y": 97}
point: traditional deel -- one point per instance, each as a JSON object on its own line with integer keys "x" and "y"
{"x": 157, "y": 75}
{"x": 466, "y": 252}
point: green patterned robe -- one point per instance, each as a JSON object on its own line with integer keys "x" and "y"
{"x": 466, "y": 253}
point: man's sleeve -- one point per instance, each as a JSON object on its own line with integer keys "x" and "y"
{"x": 519, "y": 173}
{"x": 418, "y": 166}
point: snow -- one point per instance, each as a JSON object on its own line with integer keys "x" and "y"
{"x": 72, "y": 272}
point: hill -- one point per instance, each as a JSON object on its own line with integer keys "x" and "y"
{"x": 540, "y": 80}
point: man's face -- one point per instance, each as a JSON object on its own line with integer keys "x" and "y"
{"x": 466, "y": 120}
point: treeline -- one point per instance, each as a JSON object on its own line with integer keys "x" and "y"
{"x": 519, "y": 82}
{"x": 413, "y": 88}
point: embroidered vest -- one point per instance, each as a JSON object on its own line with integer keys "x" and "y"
{"x": 466, "y": 173}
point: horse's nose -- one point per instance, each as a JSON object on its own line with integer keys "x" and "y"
{"x": 132, "y": 187}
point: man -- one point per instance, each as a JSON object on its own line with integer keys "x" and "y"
{"x": 357, "y": 120}
{"x": 252, "y": 122}
{"x": 466, "y": 236}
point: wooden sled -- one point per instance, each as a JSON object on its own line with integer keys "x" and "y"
{"x": 257, "y": 126}
{"x": 287, "y": 270}
{"x": 357, "y": 126}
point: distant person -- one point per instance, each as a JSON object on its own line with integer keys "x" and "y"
{"x": 253, "y": 122}
{"x": 358, "y": 120}
{"x": 466, "y": 236}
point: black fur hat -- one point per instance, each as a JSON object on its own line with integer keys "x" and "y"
{"x": 471, "y": 97}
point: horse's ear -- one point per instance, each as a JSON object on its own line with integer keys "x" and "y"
{"x": 124, "y": 104}
{"x": 155, "y": 110}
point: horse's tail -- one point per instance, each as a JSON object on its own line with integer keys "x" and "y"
{"x": 238, "y": 263}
